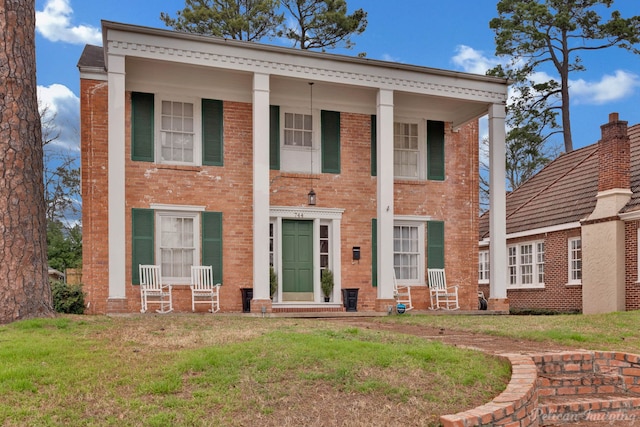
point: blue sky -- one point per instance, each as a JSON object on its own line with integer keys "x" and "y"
{"x": 451, "y": 35}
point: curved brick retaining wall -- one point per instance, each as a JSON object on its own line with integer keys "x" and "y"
{"x": 561, "y": 387}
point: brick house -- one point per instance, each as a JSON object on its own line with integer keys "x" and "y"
{"x": 201, "y": 150}
{"x": 572, "y": 230}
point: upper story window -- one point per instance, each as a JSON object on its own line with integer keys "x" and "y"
{"x": 525, "y": 263}
{"x": 575, "y": 261}
{"x": 176, "y": 130}
{"x": 406, "y": 150}
{"x": 177, "y": 135}
{"x": 298, "y": 130}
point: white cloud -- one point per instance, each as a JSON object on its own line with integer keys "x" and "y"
{"x": 473, "y": 61}
{"x": 54, "y": 23}
{"x": 63, "y": 111}
{"x": 610, "y": 88}
{"x": 388, "y": 57}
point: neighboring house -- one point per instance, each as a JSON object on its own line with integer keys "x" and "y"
{"x": 572, "y": 230}
{"x": 201, "y": 150}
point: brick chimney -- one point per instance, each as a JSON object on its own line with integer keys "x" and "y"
{"x": 613, "y": 155}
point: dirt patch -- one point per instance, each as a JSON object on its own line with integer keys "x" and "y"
{"x": 486, "y": 343}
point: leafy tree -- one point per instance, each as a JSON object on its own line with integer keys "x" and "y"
{"x": 316, "y": 24}
{"x": 248, "y": 20}
{"x": 321, "y": 24}
{"x": 531, "y": 123}
{"x": 64, "y": 244}
{"x": 539, "y": 32}
{"x": 24, "y": 284}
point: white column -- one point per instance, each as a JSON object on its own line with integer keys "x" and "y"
{"x": 116, "y": 159}
{"x": 497, "y": 200}
{"x": 384, "y": 156}
{"x": 261, "y": 187}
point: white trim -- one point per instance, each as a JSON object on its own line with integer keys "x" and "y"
{"x": 420, "y": 224}
{"x": 413, "y": 218}
{"x": 93, "y": 73}
{"x": 194, "y": 215}
{"x": 524, "y": 287}
{"x": 159, "y": 98}
{"x": 534, "y": 265}
{"x": 181, "y": 208}
{"x": 421, "y": 169}
{"x": 637, "y": 256}
{"x": 569, "y": 260}
{"x": 331, "y": 217}
{"x": 292, "y": 212}
{"x": 486, "y": 255}
{"x": 144, "y": 42}
{"x": 630, "y": 216}
{"x": 553, "y": 228}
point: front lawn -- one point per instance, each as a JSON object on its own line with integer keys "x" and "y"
{"x": 197, "y": 370}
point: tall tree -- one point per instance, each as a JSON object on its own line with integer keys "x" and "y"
{"x": 540, "y": 32}
{"x": 248, "y": 20}
{"x": 24, "y": 286}
{"x": 321, "y": 24}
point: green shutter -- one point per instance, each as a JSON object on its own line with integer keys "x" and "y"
{"x": 212, "y": 133}
{"x": 142, "y": 248}
{"x": 435, "y": 150}
{"x": 330, "y": 129}
{"x": 435, "y": 244}
{"x": 142, "y": 126}
{"x": 374, "y": 154}
{"x": 212, "y": 243}
{"x": 374, "y": 252}
{"x": 274, "y": 137}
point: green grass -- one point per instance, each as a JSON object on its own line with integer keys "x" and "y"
{"x": 214, "y": 370}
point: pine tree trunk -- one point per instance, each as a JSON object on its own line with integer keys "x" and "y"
{"x": 24, "y": 285}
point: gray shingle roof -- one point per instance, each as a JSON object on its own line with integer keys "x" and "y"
{"x": 564, "y": 191}
{"x": 92, "y": 56}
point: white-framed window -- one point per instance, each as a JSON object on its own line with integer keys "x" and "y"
{"x": 575, "y": 260}
{"x": 540, "y": 261}
{"x": 299, "y": 140}
{"x": 298, "y": 129}
{"x": 178, "y": 124}
{"x": 408, "y": 151}
{"x": 324, "y": 247}
{"x": 178, "y": 244}
{"x": 408, "y": 252}
{"x": 483, "y": 267}
{"x": 525, "y": 265}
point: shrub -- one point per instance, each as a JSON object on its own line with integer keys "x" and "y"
{"x": 67, "y": 298}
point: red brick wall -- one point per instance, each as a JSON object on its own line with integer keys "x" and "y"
{"x": 556, "y": 295}
{"x": 94, "y": 134}
{"x": 228, "y": 190}
{"x": 614, "y": 155}
{"x": 632, "y": 288}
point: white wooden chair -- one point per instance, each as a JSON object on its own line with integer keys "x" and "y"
{"x": 442, "y": 296}
{"x": 152, "y": 291}
{"x": 402, "y": 293}
{"x": 203, "y": 291}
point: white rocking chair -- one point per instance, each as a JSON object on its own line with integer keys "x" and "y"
{"x": 442, "y": 296}
{"x": 402, "y": 293}
{"x": 203, "y": 291}
{"x": 152, "y": 291}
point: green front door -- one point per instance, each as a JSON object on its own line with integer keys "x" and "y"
{"x": 297, "y": 260}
